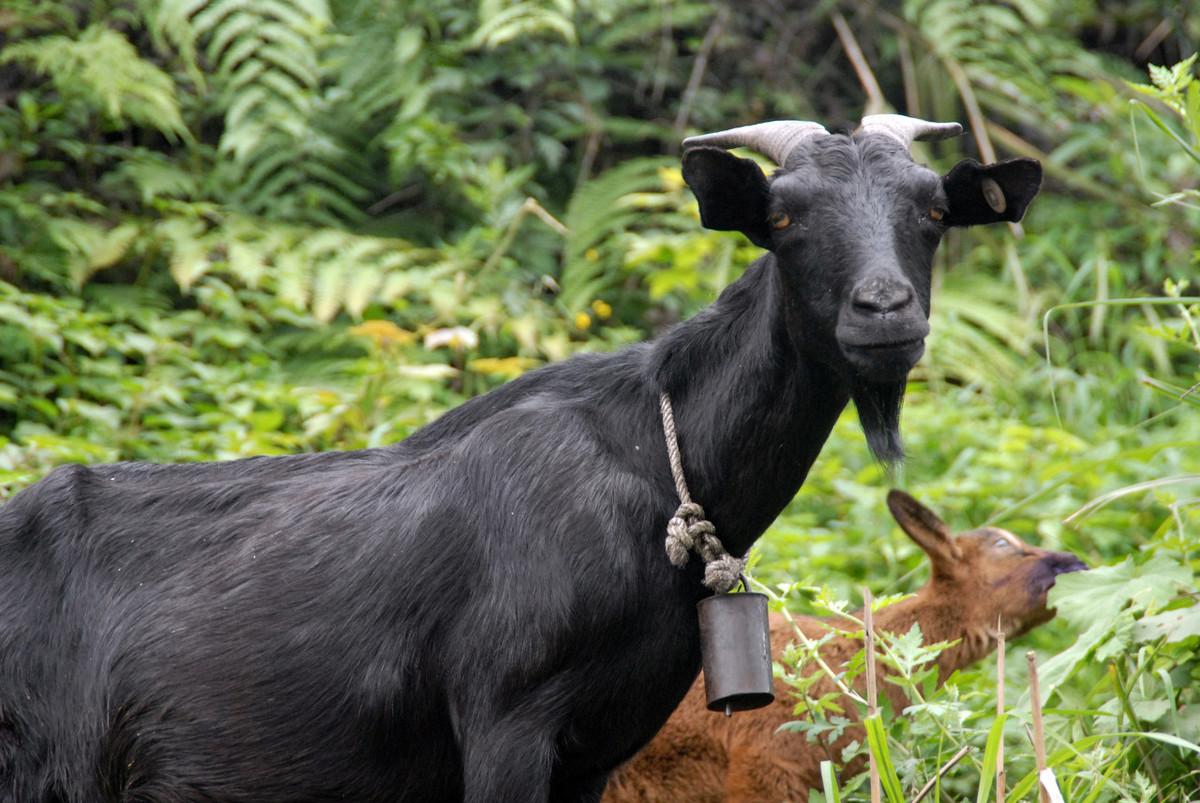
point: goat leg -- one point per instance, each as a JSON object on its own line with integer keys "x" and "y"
{"x": 509, "y": 759}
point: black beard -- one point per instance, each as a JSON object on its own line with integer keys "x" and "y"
{"x": 878, "y": 408}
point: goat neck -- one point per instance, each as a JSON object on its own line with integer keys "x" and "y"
{"x": 752, "y": 411}
{"x": 941, "y": 620}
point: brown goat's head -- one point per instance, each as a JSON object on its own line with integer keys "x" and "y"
{"x": 992, "y": 576}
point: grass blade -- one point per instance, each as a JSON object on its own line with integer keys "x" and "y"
{"x": 829, "y": 783}
{"x": 990, "y": 754}
{"x": 877, "y": 742}
{"x": 1077, "y": 747}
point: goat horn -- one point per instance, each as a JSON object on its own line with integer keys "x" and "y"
{"x": 906, "y": 129}
{"x": 775, "y": 139}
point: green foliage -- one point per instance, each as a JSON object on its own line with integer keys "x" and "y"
{"x": 102, "y": 71}
{"x": 234, "y": 227}
{"x": 877, "y": 740}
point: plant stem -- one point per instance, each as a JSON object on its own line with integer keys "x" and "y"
{"x": 1039, "y": 737}
{"x": 1000, "y": 649}
{"x": 962, "y": 751}
{"x": 872, "y": 698}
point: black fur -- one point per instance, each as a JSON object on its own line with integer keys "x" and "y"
{"x": 483, "y": 612}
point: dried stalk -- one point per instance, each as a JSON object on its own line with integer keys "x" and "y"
{"x": 699, "y": 67}
{"x": 1039, "y": 737}
{"x": 872, "y": 690}
{"x": 928, "y": 787}
{"x": 876, "y": 103}
{"x": 1000, "y": 645}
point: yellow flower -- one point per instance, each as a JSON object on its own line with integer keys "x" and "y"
{"x": 602, "y": 309}
{"x": 510, "y": 367}
{"x": 383, "y": 333}
{"x": 582, "y": 320}
{"x": 671, "y": 177}
{"x": 591, "y": 255}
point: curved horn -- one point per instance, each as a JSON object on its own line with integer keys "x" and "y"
{"x": 775, "y": 139}
{"x": 905, "y": 129}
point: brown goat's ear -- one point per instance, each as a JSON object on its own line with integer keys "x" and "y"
{"x": 990, "y": 193}
{"x": 923, "y": 526}
{"x": 732, "y": 192}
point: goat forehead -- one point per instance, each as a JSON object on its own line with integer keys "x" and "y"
{"x": 989, "y": 534}
{"x": 847, "y": 172}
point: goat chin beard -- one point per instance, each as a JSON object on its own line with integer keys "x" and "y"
{"x": 878, "y": 408}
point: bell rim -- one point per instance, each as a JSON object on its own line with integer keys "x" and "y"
{"x": 743, "y": 701}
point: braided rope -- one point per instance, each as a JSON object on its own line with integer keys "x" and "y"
{"x": 688, "y": 530}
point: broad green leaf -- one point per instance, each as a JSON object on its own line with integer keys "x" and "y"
{"x": 1174, "y": 625}
{"x": 1087, "y": 598}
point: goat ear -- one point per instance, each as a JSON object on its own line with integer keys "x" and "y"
{"x": 732, "y": 192}
{"x": 991, "y": 193}
{"x": 924, "y": 527}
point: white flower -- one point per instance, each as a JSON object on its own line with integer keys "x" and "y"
{"x": 455, "y": 337}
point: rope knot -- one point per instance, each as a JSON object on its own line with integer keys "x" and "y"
{"x": 724, "y": 573}
{"x": 688, "y": 530}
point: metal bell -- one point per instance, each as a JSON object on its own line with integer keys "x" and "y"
{"x": 735, "y": 648}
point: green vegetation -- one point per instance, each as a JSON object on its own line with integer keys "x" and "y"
{"x": 233, "y": 227}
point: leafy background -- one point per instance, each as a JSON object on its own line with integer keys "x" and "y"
{"x": 234, "y": 227}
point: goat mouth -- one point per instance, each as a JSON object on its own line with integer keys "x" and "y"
{"x": 1051, "y": 570}
{"x": 887, "y": 345}
{"x": 883, "y": 361}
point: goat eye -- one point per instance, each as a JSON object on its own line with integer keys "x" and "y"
{"x": 780, "y": 220}
{"x": 936, "y": 213}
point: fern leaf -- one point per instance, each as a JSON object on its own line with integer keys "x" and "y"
{"x": 521, "y": 19}
{"x": 593, "y": 215}
{"x": 361, "y": 289}
{"x": 294, "y": 280}
{"x": 328, "y": 290}
{"x": 104, "y": 71}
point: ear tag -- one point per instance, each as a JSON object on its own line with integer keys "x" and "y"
{"x": 993, "y": 195}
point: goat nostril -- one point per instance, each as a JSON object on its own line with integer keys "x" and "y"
{"x": 879, "y": 297}
{"x": 1069, "y": 564}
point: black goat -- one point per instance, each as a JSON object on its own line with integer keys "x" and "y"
{"x": 483, "y": 612}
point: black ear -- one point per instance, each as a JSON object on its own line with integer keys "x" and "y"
{"x": 732, "y": 192}
{"x": 991, "y": 193}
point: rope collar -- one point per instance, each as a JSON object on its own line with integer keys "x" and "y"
{"x": 688, "y": 530}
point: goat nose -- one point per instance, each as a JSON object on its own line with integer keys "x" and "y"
{"x": 1065, "y": 563}
{"x": 881, "y": 295}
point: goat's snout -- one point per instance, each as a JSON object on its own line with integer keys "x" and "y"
{"x": 882, "y": 328}
{"x": 880, "y": 294}
{"x": 1065, "y": 563}
{"x": 1049, "y": 566}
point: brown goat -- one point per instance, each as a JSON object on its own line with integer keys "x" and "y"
{"x": 980, "y": 578}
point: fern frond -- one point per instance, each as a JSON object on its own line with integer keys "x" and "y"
{"x": 318, "y": 270}
{"x": 266, "y": 62}
{"x": 104, "y": 71}
{"x": 500, "y": 25}
{"x": 594, "y": 215}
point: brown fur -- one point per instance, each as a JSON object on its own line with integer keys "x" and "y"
{"x": 979, "y": 579}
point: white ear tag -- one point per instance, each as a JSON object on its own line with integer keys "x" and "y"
{"x": 993, "y": 195}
